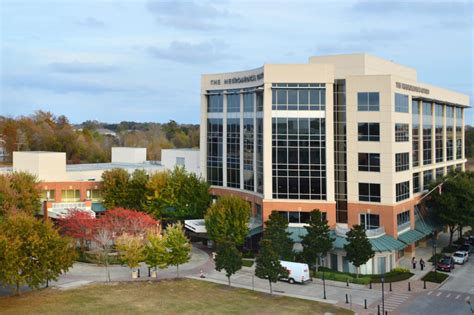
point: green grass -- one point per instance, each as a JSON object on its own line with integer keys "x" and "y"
{"x": 182, "y": 296}
{"x": 438, "y": 257}
{"x": 437, "y": 277}
{"x": 392, "y": 276}
{"x": 247, "y": 262}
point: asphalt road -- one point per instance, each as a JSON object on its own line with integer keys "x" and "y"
{"x": 450, "y": 298}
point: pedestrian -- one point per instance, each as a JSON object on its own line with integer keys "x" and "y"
{"x": 413, "y": 262}
{"x": 422, "y": 264}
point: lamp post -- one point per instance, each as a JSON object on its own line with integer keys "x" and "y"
{"x": 434, "y": 256}
{"x": 324, "y": 281}
{"x": 383, "y": 294}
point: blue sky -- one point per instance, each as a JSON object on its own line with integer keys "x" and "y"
{"x": 142, "y": 60}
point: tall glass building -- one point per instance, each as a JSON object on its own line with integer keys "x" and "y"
{"x": 355, "y": 136}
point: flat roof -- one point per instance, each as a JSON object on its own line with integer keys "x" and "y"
{"x": 107, "y": 166}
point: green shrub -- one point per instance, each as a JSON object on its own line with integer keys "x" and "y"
{"x": 438, "y": 257}
{"x": 449, "y": 249}
{"x": 248, "y": 254}
{"x": 437, "y": 277}
{"x": 400, "y": 270}
{"x": 96, "y": 258}
{"x": 247, "y": 262}
{"x": 397, "y": 274}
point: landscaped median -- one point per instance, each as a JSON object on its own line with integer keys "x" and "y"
{"x": 397, "y": 274}
{"x": 184, "y": 296}
{"x": 436, "y": 277}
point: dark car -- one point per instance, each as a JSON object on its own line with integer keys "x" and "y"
{"x": 471, "y": 240}
{"x": 465, "y": 248}
{"x": 445, "y": 264}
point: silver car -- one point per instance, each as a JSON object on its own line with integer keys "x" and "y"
{"x": 460, "y": 257}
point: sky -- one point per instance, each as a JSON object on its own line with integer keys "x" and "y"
{"x": 142, "y": 60}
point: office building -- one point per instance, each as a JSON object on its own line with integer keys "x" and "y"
{"x": 355, "y": 136}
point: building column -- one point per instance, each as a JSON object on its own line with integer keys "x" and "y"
{"x": 445, "y": 154}
{"x": 241, "y": 135}
{"x": 433, "y": 133}
{"x": 224, "y": 140}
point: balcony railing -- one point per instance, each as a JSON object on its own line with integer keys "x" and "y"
{"x": 68, "y": 205}
{"x": 342, "y": 229}
{"x": 403, "y": 226}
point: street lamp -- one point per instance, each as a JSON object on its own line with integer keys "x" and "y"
{"x": 324, "y": 282}
{"x": 383, "y": 293}
{"x": 434, "y": 256}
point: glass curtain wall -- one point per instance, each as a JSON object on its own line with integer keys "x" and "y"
{"x": 459, "y": 133}
{"x": 427, "y": 128}
{"x": 340, "y": 152}
{"x": 439, "y": 132}
{"x": 449, "y": 132}
{"x": 415, "y": 132}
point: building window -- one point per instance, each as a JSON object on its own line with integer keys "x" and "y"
{"x": 369, "y": 192}
{"x": 416, "y": 183}
{"x": 369, "y": 162}
{"x": 415, "y": 108}
{"x": 299, "y": 158}
{"x": 402, "y": 133}
{"x": 259, "y": 155}
{"x": 459, "y": 143}
{"x": 214, "y": 151}
{"x": 259, "y": 97}
{"x": 215, "y": 102}
{"x": 233, "y": 101}
{"x": 369, "y": 131}
{"x": 180, "y": 161}
{"x": 438, "y": 132}
{"x": 369, "y": 221}
{"x": 449, "y": 132}
{"x": 233, "y": 153}
{"x": 298, "y": 216}
{"x": 248, "y": 102}
{"x": 402, "y": 161}
{"x": 402, "y": 191}
{"x": 401, "y": 103}
{"x": 427, "y": 127}
{"x": 403, "y": 219}
{"x": 48, "y": 195}
{"x": 249, "y": 154}
{"x": 427, "y": 179}
{"x": 94, "y": 194}
{"x": 368, "y": 102}
{"x": 439, "y": 172}
{"x": 298, "y": 96}
{"x": 70, "y": 195}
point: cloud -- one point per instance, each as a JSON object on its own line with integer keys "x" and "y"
{"x": 58, "y": 84}
{"x": 191, "y": 53}
{"x": 91, "y": 22}
{"x": 184, "y": 14}
{"x": 81, "y": 67}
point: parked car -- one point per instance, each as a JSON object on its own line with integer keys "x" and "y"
{"x": 471, "y": 240}
{"x": 297, "y": 272}
{"x": 465, "y": 248}
{"x": 446, "y": 264}
{"x": 460, "y": 257}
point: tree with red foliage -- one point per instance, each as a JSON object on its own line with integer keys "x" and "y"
{"x": 120, "y": 221}
{"x": 78, "y": 224}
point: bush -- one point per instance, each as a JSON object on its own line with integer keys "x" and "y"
{"x": 438, "y": 257}
{"x": 437, "y": 277}
{"x": 95, "y": 258}
{"x": 449, "y": 249}
{"x": 397, "y": 274}
{"x": 460, "y": 241}
{"x": 400, "y": 270}
{"x": 248, "y": 254}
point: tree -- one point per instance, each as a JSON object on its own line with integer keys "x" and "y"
{"x": 227, "y": 220}
{"x": 178, "y": 246}
{"x": 32, "y": 252}
{"x": 358, "y": 249}
{"x": 103, "y": 237}
{"x": 276, "y": 231}
{"x": 268, "y": 265}
{"x": 120, "y": 221}
{"x": 317, "y": 242}
{"x": 453, "y": 202}
{"x": 79, "y": 225}
{"x": 137, "y": 189}
{"x": 115, "y": 188}
{"x": 156, "y": 254}
{"x": 228, "y": 258}
{"x": 177, "y": 195}
{"x": 19, "y": 192}
{"x": 131, "y": 249}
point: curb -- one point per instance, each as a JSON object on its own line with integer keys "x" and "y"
{"x": 332, "y": 302}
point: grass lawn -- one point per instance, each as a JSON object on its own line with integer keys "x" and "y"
{"x": 247, "y": 262}
{"x": 160, "y": 297}
{"x": 437, "y": 278}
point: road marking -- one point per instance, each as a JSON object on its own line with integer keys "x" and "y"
{"x": 429, "y": 293}
{"x": 439, "y": 293}
{"x": 458, "y": 296}
{"x": 449, "y": 294}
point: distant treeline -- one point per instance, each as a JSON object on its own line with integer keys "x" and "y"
{"x": 91, "y": 141}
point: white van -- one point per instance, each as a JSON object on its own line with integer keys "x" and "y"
{"x": 297, "y": 272}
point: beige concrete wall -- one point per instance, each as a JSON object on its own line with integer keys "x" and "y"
{"x": 45, "y": 165}
{"x": 128, "y": 155}
{"x": 190, "y": 156}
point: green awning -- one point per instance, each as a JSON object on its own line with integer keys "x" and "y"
{"x": 97, "y": 207}
{"x": 386, "y": 243}
{"x": 424, "y": 227}
{"x": 411, "y": 236}
{"x": 296, "y": 233}
{"x": 255, "y": 231}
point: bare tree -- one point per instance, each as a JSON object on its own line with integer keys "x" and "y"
{"x": 103, "y": 238}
